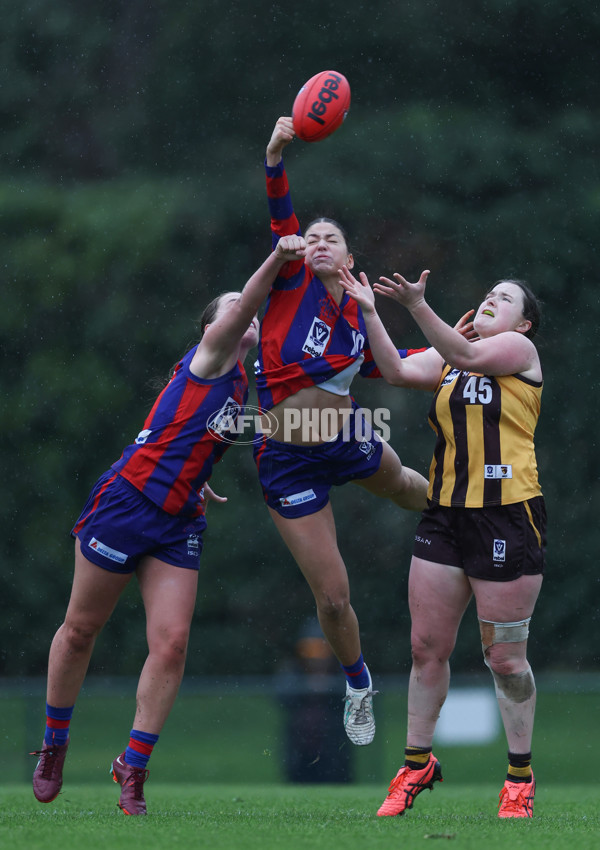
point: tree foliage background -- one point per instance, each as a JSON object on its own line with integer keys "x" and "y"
{"x": 132, "y": 192}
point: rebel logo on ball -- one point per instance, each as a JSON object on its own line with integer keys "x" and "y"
{"x": 325, "y": 96}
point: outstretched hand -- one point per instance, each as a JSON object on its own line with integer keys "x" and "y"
{"x": 360, "y": 289}
{"x": 290, "y": 248}
{"x": 399, "y": 289}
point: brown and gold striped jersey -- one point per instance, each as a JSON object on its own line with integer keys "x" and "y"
{"x": 484, "y": 452}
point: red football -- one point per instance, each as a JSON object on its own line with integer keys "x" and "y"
{"x": 321, "y": 105}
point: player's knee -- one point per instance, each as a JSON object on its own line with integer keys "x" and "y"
{"x": 171, "y": 642}
{"x": 334, "y": 606}
{"x": 172, "y": 653}
{"x": 502, "y": 659}
{"x": 427, "y": 648}
{"x": 503, "y": 646}
{"x": 80, "y": 635}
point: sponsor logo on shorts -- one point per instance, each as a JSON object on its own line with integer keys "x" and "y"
{"x": 499, "y": 551}
{"x": 193, "y": 545}
{"x": 367, "y": 448}
{"x": 107, "y": 552}
{"x": 425, "y": 540}
{"x": 297, "y": 498}
{"x": 500, "y": 470}
{"x": 317, "y": 339}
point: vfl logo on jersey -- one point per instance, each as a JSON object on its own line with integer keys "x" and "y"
{"x": 500, "y": 470}
{"x": 224, "y": 420}
{"x": 297, "y": 499}
{"x": 358, "y": 343}
{"x": 499, "y": 550}
{"x": 450, "y": 377}
{"x": 142, "y": 437}
{"x": 317, "y": 339}
{"x": 107, "y": 552}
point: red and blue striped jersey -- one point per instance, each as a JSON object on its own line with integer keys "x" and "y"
{"x": 189, "y": 428}
{"x": 306, "y": 338}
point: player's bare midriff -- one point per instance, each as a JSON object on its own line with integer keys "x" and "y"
{"x": 310, "y": 417}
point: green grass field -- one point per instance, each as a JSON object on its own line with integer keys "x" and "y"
{"x": 218, "y": 780}
{"x": 286, "y": 817}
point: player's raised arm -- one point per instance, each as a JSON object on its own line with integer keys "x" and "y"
{"x": 222, "y": 338}
{"x": 507, "y": 351}
{"x": 282, "y": 135}
{"x": 420, "y": 371}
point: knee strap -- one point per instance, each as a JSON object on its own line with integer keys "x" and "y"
{"x": 492, "y": 633}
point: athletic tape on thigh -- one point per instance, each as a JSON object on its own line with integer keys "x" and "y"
{"x": 492, "y": 633}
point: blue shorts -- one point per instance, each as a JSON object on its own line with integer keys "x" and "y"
{"x": 119, "y": 526}
{"x": 296, "y": 480}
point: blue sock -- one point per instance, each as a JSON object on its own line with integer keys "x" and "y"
{"x": 357, "y": 674}
{"x": 58, "y": 721}
{"x": 140, "y": 748}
